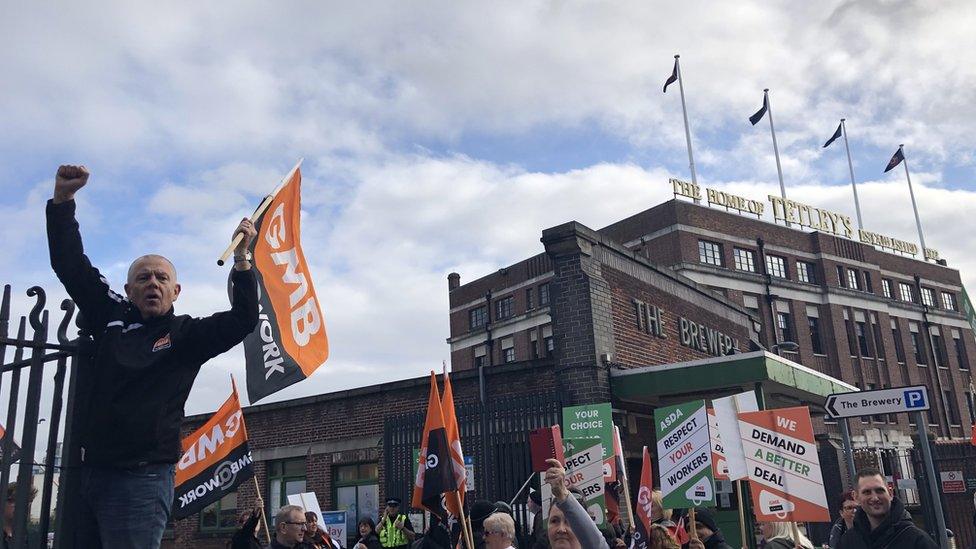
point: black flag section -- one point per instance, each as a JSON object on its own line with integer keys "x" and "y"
{"x": 673, "y": 78}
{"x": 834, "y": 137}
{"x": 895, "y": 160}
{"x": 438, "y": 472}
{"x": 761, "y": 112}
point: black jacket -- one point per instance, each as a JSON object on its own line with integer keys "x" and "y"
{"x": 131, "y": 402}
{"x": 244, "y": 538}
{"x": 896, "y": 532}
{"x": 372, "y": 541}
{"x": 717, "y": 541}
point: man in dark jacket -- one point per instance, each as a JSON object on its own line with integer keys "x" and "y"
{"x": 882, "y": 520}
{"x": 709, "y": 536}
{"x": 144, "y": 361}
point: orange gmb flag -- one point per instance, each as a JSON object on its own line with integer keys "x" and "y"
{"x": 216, "y": 459}
{"x": 454, "y": 443}
{"x": 435, "y": 475}
{"x": 289, "y": 342}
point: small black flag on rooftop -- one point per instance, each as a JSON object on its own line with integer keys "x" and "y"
{"x": 895, "y": 160}
{"x": 673, "y": 78}
{"x": 834, "y": 137}
{"x": 761, "y": 112}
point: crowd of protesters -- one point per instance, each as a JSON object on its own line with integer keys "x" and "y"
{"x": 870, "y": 517}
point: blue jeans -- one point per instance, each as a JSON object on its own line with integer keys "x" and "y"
{"x": 125, "y": 508}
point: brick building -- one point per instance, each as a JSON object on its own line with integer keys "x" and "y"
{"x": 675, "y": 303}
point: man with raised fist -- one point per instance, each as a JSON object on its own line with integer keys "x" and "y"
{"x": 129, "y": 407}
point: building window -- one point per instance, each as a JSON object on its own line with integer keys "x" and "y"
{"x": 940, "y": 351}
{"x": 878, "y": 341}
{"x": 534, "y": 344}
{"x": 805, "y": 272}
{"x": 918, "y": 349}
{"x": 905, "y": 291}
{"x": 841, "y": 279}
{"x": 886, "y": 287}
{"x": 544, "y": 295}
{"x": 745, "y": 260}
{"x": 504, "y": 307}
{"x": 899, "y": 346}
{"x": 286, "y": 477}
{"x": 948, "y": 301}
{"x": 710, "y": 252}
{"x": 851, "y": 346}
{"x": 508, "y": 349}
{"x": 478, "y": 317}
{"x": 928, "y": 297}
{"x": 480, "y": 356}
{"x": 860, "y": 331}
{"x": 815, "y": 339}
{"x": 357, "y": 492}
{"x": 547, "y": 341}
{"x": 969, "y": 403}
{"x": 528, "y": 299}
{"x": 220, "y": 515}
{"x": 785, "y": 327}
{"x": 776, "y": 266}
{"x": 961, "y": 353}
{"x": 867, "y": 283}
{"x": 853, "y": 282}
{"x": 951, "y": 406}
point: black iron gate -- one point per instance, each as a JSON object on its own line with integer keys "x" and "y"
{"x": 495, "y": 435}
{"x": 42, "y": 353}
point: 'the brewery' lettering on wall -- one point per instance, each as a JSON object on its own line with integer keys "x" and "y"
{"x": 650, "y": 320}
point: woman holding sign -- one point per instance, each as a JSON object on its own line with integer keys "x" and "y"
{"x": 570, "y": 526}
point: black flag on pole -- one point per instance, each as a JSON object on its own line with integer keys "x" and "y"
{"x": 834, "y": 137}
{"x": 895, "y": 160}
{"x": 673, "y": 78}
{"x": 761, "y": 112}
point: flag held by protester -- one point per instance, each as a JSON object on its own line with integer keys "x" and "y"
{"x": 454, "y": 443}
{"x": 834, "y": 137}
{"x": 289, "y": 342}
{"x": 642, "y": 530}
{"x": 895, "y": 160}
{"x": 216, "y": 459}
{"x": 674, "y": 76}
{"x": 435, "y": 474}
{"x": 761, "y": 112}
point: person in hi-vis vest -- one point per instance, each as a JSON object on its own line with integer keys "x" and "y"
{"x": 394, "y": 528}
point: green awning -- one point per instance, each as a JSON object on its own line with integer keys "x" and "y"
{"x": 783, "y": 382}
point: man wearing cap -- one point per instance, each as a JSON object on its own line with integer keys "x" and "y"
{"x": 394, "y": 528}
{"x": 709, "y": 536}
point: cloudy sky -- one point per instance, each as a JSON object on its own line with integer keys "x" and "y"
{"x": 444, "y": 136}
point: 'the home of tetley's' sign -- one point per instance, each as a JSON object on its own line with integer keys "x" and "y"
{"x": 802, "y": 215}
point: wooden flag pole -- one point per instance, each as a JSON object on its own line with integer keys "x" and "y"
{"x": 742, "y": 514}
{"x": 257, "y": 213}
{"x": 468, "y": 537}
{"x": 692, "y": 528}
{"x": 264, "y": 521}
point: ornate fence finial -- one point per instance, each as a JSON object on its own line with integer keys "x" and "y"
{"x": 35, "y": 314}
{"x": 68, "y": 307}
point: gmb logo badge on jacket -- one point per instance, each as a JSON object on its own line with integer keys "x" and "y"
{"x": 162, "y": 343}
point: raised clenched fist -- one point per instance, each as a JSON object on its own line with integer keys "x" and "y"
{"x": 67, "y": 182}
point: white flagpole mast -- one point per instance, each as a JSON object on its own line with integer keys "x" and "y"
{"x": 772, "y": 130}
{"x": 684, "y": 111}
{"x": 850, "y": 164}
{"x": 918, "y": 222}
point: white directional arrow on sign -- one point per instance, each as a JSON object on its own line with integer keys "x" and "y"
{"x": 881, "y": 401}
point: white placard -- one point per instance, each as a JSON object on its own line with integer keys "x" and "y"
{"x": 727, "y": 415}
